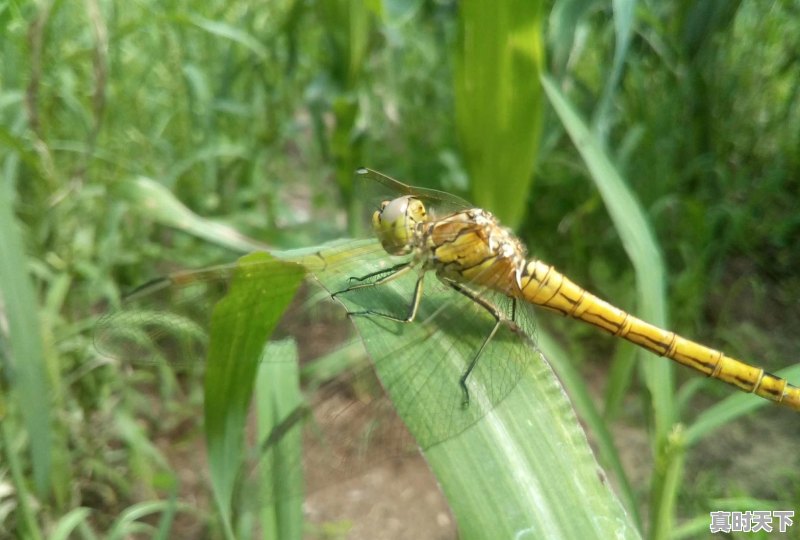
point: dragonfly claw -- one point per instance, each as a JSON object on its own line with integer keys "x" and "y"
{"x": 465, "y": 401}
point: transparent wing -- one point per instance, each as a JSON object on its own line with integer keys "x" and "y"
{"x": 421, "y": 363}
{"x": 344, "y": 420}
{"x": 166, "y": 321}
{"x": 445, "y": 202}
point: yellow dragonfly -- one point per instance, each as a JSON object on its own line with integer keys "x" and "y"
{"x": 431, "y": 369}
{"x": 471, "y": 252}
{"x": 437, "y": 360}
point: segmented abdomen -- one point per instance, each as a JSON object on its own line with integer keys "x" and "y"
{"x": 543, "y": 285}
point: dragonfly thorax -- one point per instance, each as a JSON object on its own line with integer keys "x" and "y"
{"x": 396, "y": 222}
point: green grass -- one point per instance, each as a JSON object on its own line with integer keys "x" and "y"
{"x": 141, "y": 138}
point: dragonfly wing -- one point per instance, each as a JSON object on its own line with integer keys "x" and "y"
{"x": 165, "y": 321}
{"x": 388, "y": 187}
{"x": 420, "y": 364}
{"x": 345, "y": 421}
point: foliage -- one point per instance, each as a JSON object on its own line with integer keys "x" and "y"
{"x": 124, "y": 123}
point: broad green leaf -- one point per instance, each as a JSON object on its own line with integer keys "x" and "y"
{"x": 514, "y": 461}
{"x": 241, "y": 324}
{"x": 498, "y": 101}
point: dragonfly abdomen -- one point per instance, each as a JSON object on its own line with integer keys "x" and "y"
{"x": 543, "y": 285}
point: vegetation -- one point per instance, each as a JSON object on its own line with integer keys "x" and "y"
{"x": 649, "y": 151}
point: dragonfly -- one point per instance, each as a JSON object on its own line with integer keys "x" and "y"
{"x": 447, "y": 353}
{"x": 482, "y": 304}
{"x": 470, "y": 252}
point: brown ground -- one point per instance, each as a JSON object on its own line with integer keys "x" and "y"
{"x": 396, "y": 500}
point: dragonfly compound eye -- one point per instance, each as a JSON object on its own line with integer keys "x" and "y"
{"x": 394, "y": 226}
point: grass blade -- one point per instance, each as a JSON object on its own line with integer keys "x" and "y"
{"x": 623, "y": 30}
{"x": 162, "y": 206}
{"x": 67, "y": 523}
{"x": 640, "y": 245}
{"x": 241, "y": 324}
{"x": 26, "y": 359}
{"x": 278, "y": 395}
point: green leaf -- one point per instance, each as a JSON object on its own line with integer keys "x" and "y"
{"x": 67, "y": 523}
{"x": 347, "y": 35}
{"x": 498, "y": 101}
{"x": 582, "y": 400}
{"x": 26, "y": 360}
{"x": 623, "y": 30}
{"x": 127, "y": 523}
{"x": 278, "y": 396}
{"x": 566, "y": 19}
{"x": 241, "y": 324}
{"x": 158, "y": 203}
{"x": 232, "y": 33}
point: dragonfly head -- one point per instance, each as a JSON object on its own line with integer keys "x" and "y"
{"x": 395, "y": 222}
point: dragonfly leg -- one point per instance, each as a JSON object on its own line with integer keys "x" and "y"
{"x": 391, "y": 273}
{"x": 412, "y": 308}
{"x": 498, "y": 318}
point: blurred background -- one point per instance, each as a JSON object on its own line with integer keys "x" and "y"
{"x": 145, "y": 137}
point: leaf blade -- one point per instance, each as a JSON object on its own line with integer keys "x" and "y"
{"x": 241, "y": 324}
{"x": 522, "y": 468}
